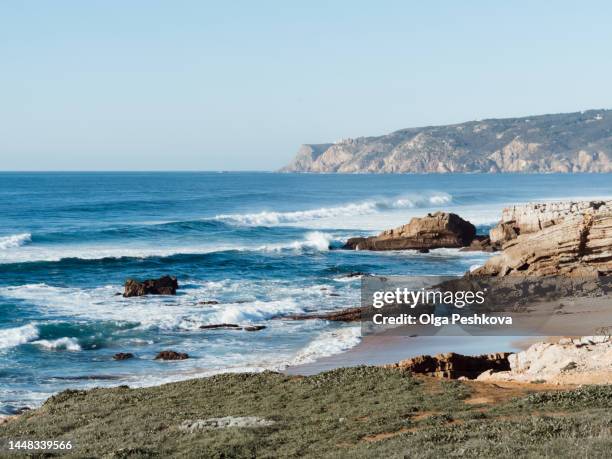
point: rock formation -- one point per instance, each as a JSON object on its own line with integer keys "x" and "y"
{"x": 433, "y": 231}
{"x": 586, "y": 360}
{"x": 453, "y": 366}
{"x": 572, "y": 238}
{"x": 571, "y": 142}
{"x": 165, "y": 285}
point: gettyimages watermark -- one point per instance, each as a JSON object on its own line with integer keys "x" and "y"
{"x": 486, "y": 306}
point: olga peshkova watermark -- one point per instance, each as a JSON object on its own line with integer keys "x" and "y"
{"x": 512, "y": 306}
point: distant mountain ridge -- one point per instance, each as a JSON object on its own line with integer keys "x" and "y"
{"x": 569, "y": 142}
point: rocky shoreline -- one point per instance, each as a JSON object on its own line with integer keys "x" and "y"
{"x": 569, "y": 239}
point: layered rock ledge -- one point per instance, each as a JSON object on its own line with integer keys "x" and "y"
{"x": 437, "y": 230}
{"x": 568, "y": 238}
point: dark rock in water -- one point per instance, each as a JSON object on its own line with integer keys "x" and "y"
{"x": 423, "y": 250}
{"x": 437, "y": 230}
{"x": 345, "y": 315}
{"x": 123, "y": 356}
{"x": 20, "y": 410}
{"x": 221, "y": 326}
{"x": 165, "y": 285}
{"x": 171, "y": 355}
{"x": 208, "y": 302}
{"x": 453, "y": 366}
{"x": 334, "y": 294}
{"x": 356, "y": 273}
{"x": 251, "y": 328}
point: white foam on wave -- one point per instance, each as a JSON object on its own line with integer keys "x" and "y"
{"x": 256, "y": 311}
{"x": 242, "y": 301}
{"x": 68, "y": 344}
{"x": 56, "y": 253}
{"x": 271, "y": 218}
{"x": 328, "y": 343}
{"x": 12, "y": 337}
{"x": 15, "y": 240}
{"x": 315, "y": 240}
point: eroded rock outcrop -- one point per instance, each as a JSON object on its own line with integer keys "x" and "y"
{"x": 453, "y": 366}
{"x": 586, "y": 360}
{"x": 437, "y": 230}
{"x": 531, "y": 218}
{"x": 165, "y": 285}
{"x": 572, "y": 238}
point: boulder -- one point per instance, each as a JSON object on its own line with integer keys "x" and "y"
{"x": 165, "y": 285}
{"x": 454, "y": 366}
{"x": 437, "y": 230}
{"x": 171, "y": 355}
{"x": 579, "y": 245}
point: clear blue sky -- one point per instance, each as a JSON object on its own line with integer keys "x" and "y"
{"x": 197, "y": 85}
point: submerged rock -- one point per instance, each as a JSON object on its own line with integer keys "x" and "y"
{"x": 221, "y": 326}
{"x": 171, "y": 355}
{"x": 251, "y": 328}
{"x": 437, "y": 230}
{"x": 454, "y": 366}
{"x": 123, "y": 356}
{"x": 344, "y": 315}
{"x": 165, "y": 285}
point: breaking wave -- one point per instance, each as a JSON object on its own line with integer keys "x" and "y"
{"x": 15, "y": 240}
{"x": 328, "y": 343}
{"x": 68, "y": 344}
{"x": 12, "y": 337}
{"x": 267, "y": 218}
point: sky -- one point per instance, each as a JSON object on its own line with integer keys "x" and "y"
{"x": 199, "y": 85}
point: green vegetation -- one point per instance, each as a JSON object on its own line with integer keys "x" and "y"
{"x": 351, "y": 412}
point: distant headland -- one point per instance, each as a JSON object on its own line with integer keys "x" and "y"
{"x": 561, "y": 143}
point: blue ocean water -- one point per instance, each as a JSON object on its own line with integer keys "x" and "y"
{"x": 257, "y": 243}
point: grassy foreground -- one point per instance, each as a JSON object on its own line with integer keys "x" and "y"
{"x": 351, "y": 412}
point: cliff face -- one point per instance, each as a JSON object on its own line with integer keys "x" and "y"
{"x": 573, "y": 142}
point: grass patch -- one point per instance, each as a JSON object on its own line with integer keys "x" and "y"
{"x": 357, "y": 412}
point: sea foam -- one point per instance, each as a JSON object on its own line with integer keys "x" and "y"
{"x": 14, "y": 240}
{"x": 12, "y": 337}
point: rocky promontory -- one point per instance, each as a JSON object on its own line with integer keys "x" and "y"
{"x": 572, "y": 238}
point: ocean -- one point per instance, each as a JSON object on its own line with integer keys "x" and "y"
{"x": 262, "y": 245}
